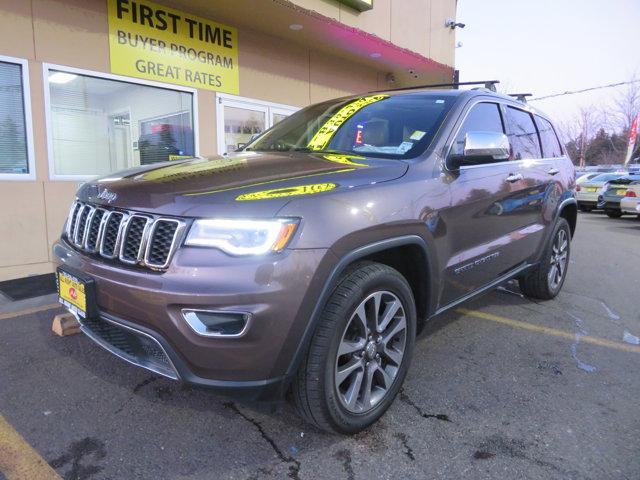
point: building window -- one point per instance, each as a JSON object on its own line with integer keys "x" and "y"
{"x": 16, "y": 144}
{"x": 102, "y": 124}
{"x": 241, "y": 119}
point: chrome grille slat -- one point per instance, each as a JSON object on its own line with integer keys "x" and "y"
{"x": 130, "y": 237}
{"x": 71, "y": 222}
{"x": 134, "y": 235}
{"x": 94, "y": 229}
{"x": 87, "y": 226}
{"x": 163, "y": 235}
{"x": 81, "y": 223}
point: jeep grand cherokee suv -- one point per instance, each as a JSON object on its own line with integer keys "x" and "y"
{"x": 308, "y": 261}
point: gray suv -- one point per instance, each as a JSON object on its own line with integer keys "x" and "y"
{"x": 307, "y": 262}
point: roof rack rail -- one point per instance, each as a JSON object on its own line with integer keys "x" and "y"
{"x": 521, "y": 97}
{"x": 488, "y": 84}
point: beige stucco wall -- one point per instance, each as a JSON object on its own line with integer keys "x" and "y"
{"x": 74, "y": 33}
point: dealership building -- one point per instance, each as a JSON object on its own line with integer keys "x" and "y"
{"x": 90, "y": 87}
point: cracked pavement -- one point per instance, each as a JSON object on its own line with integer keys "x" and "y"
{"x": 482, "y": 399}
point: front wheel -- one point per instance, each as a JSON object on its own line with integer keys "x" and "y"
{"x": 586, "y": 209}
{"x": 545, "y": 280}
{"x": 613, "y": 213}
{"x": 361, "y": 350}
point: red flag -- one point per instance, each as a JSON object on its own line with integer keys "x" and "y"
{"x": 633, "y": 135}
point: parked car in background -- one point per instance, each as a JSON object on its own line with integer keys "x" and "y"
{"x": 614, "y": 191}
{"x": 585, "y": 177}
{"x": 630, "y": 203}
{"x": 589, "y": 193}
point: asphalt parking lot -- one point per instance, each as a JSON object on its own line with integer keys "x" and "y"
{"x": 503, "y": 388}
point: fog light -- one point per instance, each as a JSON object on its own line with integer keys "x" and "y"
{"x": 217, "y": 323}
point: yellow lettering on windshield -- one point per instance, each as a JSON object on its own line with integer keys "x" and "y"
{"x": 324, "y": 135}
{"x": 287, "y": 192}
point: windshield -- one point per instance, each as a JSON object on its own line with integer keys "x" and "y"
{"x": 379, "y": 125}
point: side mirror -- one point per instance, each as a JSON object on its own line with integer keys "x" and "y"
{"x": 482, "y": 147}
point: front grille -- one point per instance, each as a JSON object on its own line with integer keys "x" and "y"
{"x": 130, "y": 237}
{"x": 129, "y": 344}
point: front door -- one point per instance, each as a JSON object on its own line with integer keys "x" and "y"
{"x": 489, "y": 223}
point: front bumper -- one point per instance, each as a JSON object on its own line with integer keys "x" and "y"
{"x": 137, "y": 303}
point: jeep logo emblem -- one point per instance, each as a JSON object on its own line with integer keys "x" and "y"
{"x": 107, "y": 195}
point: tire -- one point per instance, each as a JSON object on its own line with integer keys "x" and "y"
{"x": 317, "y": 394}
{"x": 585, "y": 209}
{"x": 613, "y": 213}
{"x": 539, "y": 282}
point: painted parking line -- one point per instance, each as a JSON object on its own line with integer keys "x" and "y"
{"x": 549, "y": 331}
{"x": 18, "y": 460}
{"x": 29, "y": 311}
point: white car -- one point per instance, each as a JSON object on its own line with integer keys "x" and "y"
{"x": 589, "y": 193}
{"x": 630, "y": 203}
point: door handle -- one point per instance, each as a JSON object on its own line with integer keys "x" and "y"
{"x": 553, "y": 171}
{"x": 514, "y": 177}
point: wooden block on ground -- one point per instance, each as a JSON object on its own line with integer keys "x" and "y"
{"x": 65, "y": 324}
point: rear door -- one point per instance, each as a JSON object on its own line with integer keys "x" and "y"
{"x": 556, "y": 167}
{"x": 526, "y": 204}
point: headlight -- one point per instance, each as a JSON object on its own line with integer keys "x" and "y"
{"x": 242, "y": 237}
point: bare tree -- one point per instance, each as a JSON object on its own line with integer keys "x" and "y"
{"x": 581, "y": 129}
{"x": 626, "y": 105}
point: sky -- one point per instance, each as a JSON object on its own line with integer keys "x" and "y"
{"x": 551, "y": 46}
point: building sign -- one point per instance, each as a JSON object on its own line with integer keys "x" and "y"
{"x": 151, "y": 41}
{"x": 360, "y": 5}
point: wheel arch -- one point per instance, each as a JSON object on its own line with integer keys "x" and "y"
{"x": 568, "y": 210}
{"x": 381, "y": 251}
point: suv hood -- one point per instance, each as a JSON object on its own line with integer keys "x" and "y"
{"x": 243, "y": 184}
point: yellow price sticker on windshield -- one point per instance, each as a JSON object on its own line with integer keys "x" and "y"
{"x": 324, "y": 135}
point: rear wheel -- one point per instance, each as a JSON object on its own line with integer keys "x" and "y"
{"x": 613, "y": 213}
{"x": 586, "y": 209}
{"x": 360, "y": 353}
{"x": 546, "y": 279}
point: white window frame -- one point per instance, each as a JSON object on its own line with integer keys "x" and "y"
{"x": 28, "y": 122}
{"x": 107, "y": 76}
{"x": 268, "y": 108}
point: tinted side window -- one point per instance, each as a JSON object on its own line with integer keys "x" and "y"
{"x": 550, "y": 143}
{"x": 483, "y": 117}
{"x": 522, "y": 134}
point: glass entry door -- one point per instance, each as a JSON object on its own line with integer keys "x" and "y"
{"x": 242, "y": 119}
{"x": 241, "y": 124}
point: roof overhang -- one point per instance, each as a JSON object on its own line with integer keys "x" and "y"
{"x": 325, "y": 34}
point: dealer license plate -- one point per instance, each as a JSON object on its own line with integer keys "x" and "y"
{"x": 72, "y": 293}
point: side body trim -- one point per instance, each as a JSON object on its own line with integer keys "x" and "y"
{"x": 489, "y": 286}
